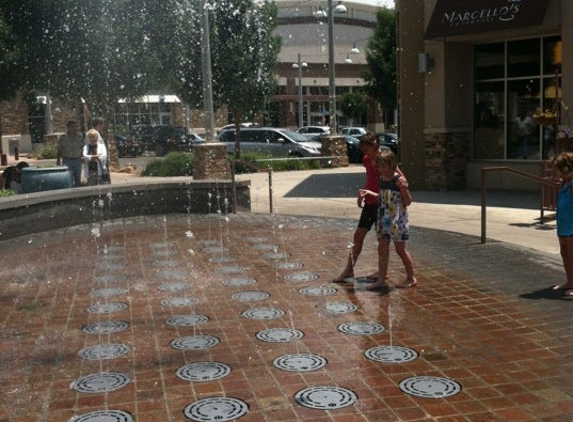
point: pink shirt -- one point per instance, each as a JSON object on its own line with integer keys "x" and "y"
{"x": 372, "y": 180}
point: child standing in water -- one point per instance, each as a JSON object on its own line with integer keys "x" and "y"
{"x": 392, "y": 224}
{"x": 563, "y": 166}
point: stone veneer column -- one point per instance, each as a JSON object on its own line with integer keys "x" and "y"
{"x": 335, "y": 145}
{"x": 211, "y": 162}
{"x": 446, "y": 158}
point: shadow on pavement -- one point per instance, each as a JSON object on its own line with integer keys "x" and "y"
{"x": 547, "y": 293}
{"x": 346, "y": 185}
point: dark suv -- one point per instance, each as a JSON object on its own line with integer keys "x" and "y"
{"x": 163, "y": 139}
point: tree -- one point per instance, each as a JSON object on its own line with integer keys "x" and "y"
{"x": 244, "y": 55}
{"x": 353, "y": 105}
{"x": 381, "y": 58}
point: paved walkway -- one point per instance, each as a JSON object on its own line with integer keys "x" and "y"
{"x": 214, "y": 318}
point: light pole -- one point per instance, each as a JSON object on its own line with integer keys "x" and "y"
{"x": 340, "y": 8}
{"x": 299, "y": 65}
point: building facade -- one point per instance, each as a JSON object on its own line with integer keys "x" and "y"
{"x": 475, "y": 76}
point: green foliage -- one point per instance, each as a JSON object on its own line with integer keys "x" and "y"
{"x": 353, "y": 105}
{"x": 6, "y": 192}
{"x": 381, "y": 58}
{"x": 259, "y": 161}
{"x": 173, "y": 164}
{"x": 48, "y": 150}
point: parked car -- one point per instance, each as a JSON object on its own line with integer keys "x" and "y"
{"x": 389, "y": 140}
{"x": 167, "y": 138}
{"x": 310, "y": 132}
{"x": 232, "y": 126}
{"x": 354, "y": 154}
{"x": 274, "y": 142}
{"x": 355, "y": 131}
{"x": 126, "y": 146}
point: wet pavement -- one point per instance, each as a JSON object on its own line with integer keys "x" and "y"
{"x": 216, "y": 318}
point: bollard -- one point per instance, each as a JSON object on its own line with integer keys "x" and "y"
{"x": 16, "y": 154}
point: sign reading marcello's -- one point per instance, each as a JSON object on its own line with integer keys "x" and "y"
{"x": 456, "y": 17}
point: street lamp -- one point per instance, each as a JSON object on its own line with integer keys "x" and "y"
{"x": 340, "y": 8}
{"x": 207, "y": 76}
{"x": 299, "y": 65}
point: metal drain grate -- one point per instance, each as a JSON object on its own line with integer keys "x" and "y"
{"x": 221, "y": 259}
{"x": 250, "y": 296}
{"x": 203, "y": 371}
{"x": 317, "y": 291}
{"x": 215, "y": 249}
{"x": 391, "y": 354}
{"x": 103, "y": 416}
{"x": 194, "y": 342}
{"x": 340, "y": 307}
{"x": 104, "y": 351}
{"x": 240, "y": 281}
{"x": 361, "y": 328}
{"x": 100, "y": 383}
{"x": 161, "y": 245}
{"x": 264, "y": 247}
{"x": 254, "y": 239}
{"x": 110, "y": 278}
{"x": 109, "y": 292}
{"x": 186, "y": 320}
{"x": 287, "y": 265}
{"x": 301, "y": 362}
{"x": 230, "y": 270}
{"x": 263, "y": 313}
{"x": 275, "y": 255}
{"x": 179, "y": 301}
{"x": 163, "y": 253}
{"x": 218, "y": 409}
{"x": 325, "y": 397}
{"x": 172, "y": 274}
{"x": 280, "y": 335}
{"x": 105, "y": 327}
{"x": 432, "y": 387}
{"x": 174, "y": 287}
{"x": 109, "y": 266}
{"x": 166, "y": 263}
{"x": 298, "y": 277}
{"x": 107, "y": 308}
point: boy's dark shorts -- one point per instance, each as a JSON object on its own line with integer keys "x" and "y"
{"x": 368, "y": 216}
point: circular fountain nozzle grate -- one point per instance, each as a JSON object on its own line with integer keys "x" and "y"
{"x": 317, "y": 291}
{"x": 103, "y": 416}
{"x": 179, "y": 302}
{"x": 432, "y": 387}
{"x": 203, "y": 371}
{"x": 325, "y": 397}
{"x": 105, "y": 327}
{"x": 250, "y": 296}
{"x": 287, "y": 265}
{"x": 100, "y": 383}
{"x": 240, "y": 281}
{"x": 301, "y": 362}
{"x": 186, "y": 320}
{"x": 340, "y": 307}
{"x": 279, "y": 335}
{"x": 361, "y": 328}
{"x": 194, "y": 342}
{"x": 263, "y": 313}
{"x": 391, "y": 354}
{"x": 107, "y": 308}
{"x": 174, "y": 287}
{"x": 104, "y": 351}
{"x": 275, "y": 255}
{"x": 216, "y": 409}
{"x": 299, "y": 277}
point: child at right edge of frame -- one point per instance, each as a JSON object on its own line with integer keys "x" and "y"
{"x": 563, "y": 167}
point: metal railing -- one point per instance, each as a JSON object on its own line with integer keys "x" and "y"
{"x": 547, "y": 187}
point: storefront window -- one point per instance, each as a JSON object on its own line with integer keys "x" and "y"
{"x": 489, "y": 120}
{"x": 523, "y": 58}
{"x": 507, "y": 94}
{"x": 489, "y": 61}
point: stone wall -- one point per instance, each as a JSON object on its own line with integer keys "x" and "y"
{"x": 335, "y": 146}
{"x": 211, "y": 162}
{"x": 446, "y": 155}
{"x": 30, "y": 213}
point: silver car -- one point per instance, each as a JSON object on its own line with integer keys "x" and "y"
{"x": 271, "y": 141}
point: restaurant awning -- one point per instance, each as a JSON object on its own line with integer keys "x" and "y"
{"x": 457, "y": 17}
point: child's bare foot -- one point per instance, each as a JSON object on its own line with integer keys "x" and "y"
{"x": 564, "y": 286}
{"x": 376, "y": 286}
{"x": 342, "y": 277}
{"x": 374, "y": 276}
{"x": 408, "y": 283}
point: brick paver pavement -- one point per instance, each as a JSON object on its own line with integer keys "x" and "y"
{"x": 482, "y": 319}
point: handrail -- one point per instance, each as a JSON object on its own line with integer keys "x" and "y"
{"x": 484, "y": 172}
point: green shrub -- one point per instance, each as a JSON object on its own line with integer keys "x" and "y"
{"x": 6, "y": 192}
{"x": 48, "y": 150}
{"x": 258, "y": 161}
{"x": 173, "y": 164}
